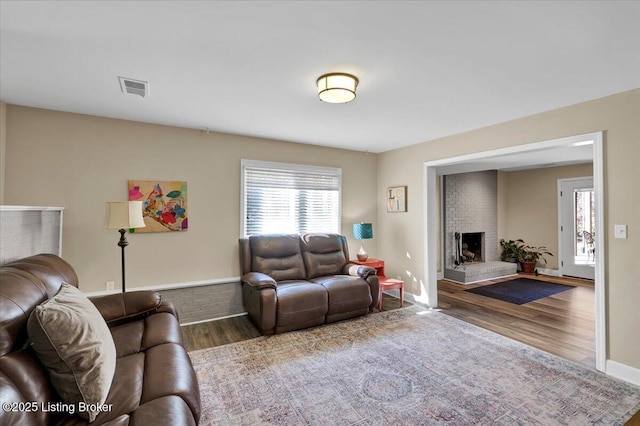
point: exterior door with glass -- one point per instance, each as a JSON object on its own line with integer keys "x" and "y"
{"x": 578, "y": 236}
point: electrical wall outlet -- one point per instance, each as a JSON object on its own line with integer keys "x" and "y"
{"x": 399, "y": 277}
{"x": 110, "y": 285}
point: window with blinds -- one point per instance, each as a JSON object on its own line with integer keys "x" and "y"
{"x": 289, "y": 198}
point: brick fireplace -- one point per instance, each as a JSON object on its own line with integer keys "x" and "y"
{"x": 471, "y": 214}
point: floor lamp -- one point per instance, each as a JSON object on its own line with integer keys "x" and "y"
{"x": 124, "y": 215}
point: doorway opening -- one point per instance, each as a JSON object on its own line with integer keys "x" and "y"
{"x": 479, "y": 161}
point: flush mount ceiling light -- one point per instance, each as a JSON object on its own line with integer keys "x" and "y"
{"x": 337, "y": 88}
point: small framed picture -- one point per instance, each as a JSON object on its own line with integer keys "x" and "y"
{"x": 397, "y": 199}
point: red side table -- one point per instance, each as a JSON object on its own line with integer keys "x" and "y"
{"x": 385, "y": 283}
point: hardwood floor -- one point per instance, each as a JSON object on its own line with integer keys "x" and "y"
{"x": 220, "y": 332}
{"x": 634, "y": 421}
{"x": 562, "y": 324}
{"x": 236, "y": 329}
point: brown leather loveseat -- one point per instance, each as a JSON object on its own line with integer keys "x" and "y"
{"x": 154, "y": 382}
{"x": 291, "y": 282}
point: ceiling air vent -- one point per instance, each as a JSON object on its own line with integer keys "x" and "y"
{"x": 134, "y": 87}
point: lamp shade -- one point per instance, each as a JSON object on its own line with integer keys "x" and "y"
{"x": 125, "y": 215}
{"x": 362, "y": 231}
{"x": 337, "y": 88}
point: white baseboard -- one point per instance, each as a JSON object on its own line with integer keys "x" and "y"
{"x": 410, "y": 297}
{"x": 550, "y": 272}
{"x": 214, "y": 319}
{"x": 623, "y": 372}
{"x": 481, "y": 281}
{"x": 440, "y": 275}
{"x": 171, "y": 286}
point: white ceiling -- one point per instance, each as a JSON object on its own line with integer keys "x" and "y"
{"x": 426, "y": 69}
{"x": 531, "y": 159}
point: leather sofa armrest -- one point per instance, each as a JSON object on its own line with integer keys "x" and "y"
{"x": 368, "y": 274}
{"x": 168, "y": 307}
{"x": 374, "y": 285}
{"x": 260, "y": 300}
{"x": 125, "y": 307}
{"x": 259, "y": 280}
{"x": 361, "y": 271}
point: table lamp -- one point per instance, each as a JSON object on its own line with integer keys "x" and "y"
{"x": 362, "y": 231}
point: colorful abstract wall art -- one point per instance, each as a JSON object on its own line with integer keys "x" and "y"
{"x": 164, "y": 205}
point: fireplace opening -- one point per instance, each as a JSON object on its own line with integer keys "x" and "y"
{"x": 472, "y": 250}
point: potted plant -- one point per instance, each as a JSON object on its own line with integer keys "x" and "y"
{"x": 511, "y": 250}
{"x": 530, "y": 256}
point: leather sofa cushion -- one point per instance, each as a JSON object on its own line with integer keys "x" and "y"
{"x": 152, "y": 370}
{"x": 323, "y": 254}
{"x": 346, "y": 293}
{"x": 137, "y": 336}
{"x": 25, "y": 284}
{"x": 147, "y": 339}
{"x": 278, "y": 256}
{"x": 300, "y": 302}
{"x": 73, "y": 342}
{"x": 147, "y": 379}
{"x": 22, "y": 378}
{"x": 126, "y": 389}
{"x": 166, "y": 410}
{"x": 168, "y": 371}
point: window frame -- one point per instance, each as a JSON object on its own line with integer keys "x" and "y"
{"x": 289, "y": 167}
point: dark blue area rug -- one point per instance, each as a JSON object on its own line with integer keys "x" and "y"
{"x": 520, "y": 290}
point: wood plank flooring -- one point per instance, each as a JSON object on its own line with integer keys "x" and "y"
{"x": 236, "y": 329}
{"x": 562, "y": 324}
{"x": 220, "y": 332}
{"x": 634, "y": 421}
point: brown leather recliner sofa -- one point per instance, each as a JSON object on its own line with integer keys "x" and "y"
{"x": 291, "y": 282}
{"x": 154, "y": 381}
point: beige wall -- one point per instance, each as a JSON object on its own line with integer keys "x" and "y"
{"x": 531, "y": 205}
{"x": 79, "y": 162}
{"x": 617, "y": 116}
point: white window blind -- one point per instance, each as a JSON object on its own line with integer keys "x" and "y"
{"x": 289, "y": 198}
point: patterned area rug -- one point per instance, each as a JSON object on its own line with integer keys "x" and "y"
{"x": 408, "y": 366}
{"x": 520, "y": 290}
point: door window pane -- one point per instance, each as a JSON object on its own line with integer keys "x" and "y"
{"x": 584, "y": 226}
